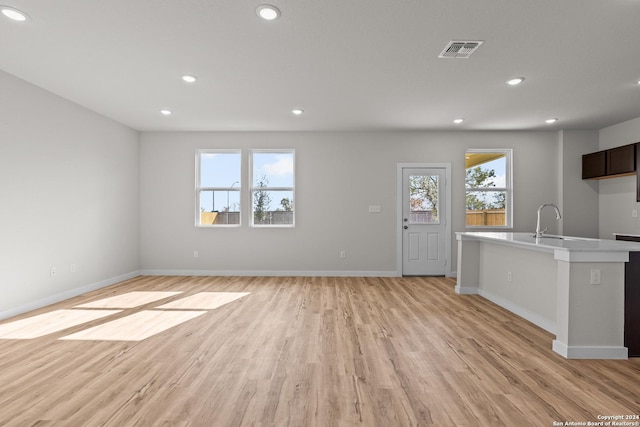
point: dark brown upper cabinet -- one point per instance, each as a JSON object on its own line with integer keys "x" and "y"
{"x": 609, "y": 163}
{"x": 621, "y": 160}
{"x": 594, "y": 165}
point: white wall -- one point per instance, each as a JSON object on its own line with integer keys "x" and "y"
{"x": 78, "y": 188}
{"x": 579, "y": 201}
{"x": 68, "y": 194}
{"x": 339, "y": 174}
{"x": 618, "y": 195}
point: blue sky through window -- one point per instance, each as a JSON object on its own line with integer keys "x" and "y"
{"x": 276, "y": 167}
{"x": 219, "y": 169}
{"x": 498, "y": 165}
{"x": 278, "y": 170}
{"x": 223, "y": 170}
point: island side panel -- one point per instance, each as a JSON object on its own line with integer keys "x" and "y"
{"x": 590, "y": 316}
{"x": 520, "y": 280}
{"x": 468, "y": 266}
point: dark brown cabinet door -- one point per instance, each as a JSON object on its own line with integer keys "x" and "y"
{"x": 637, "y": 173}
{"x": 621, "y": 160}
{"x": 632, "y": 299}
{"x": 632, "y": 305}
{"x": 594, "y": 165}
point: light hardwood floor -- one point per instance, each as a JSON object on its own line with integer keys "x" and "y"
{"x": 309, "y": 351}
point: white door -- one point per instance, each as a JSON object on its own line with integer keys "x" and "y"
{"x": 423, "y": 222}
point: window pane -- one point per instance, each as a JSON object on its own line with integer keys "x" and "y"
{"x": 273, "y": 169}
{"x": 272, "y": 187}
{"x": 485, "y": 170}
{"x": 219, "y": 169}
{"x": 486, "y": 208}
{"x": 423, "y": 199}
{"x": 219, "y": 207}
{"x": 488, "y": 188}
{"x": 273, "y": 207}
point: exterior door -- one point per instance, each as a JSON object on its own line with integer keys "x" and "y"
{"x": 423, "y": 222}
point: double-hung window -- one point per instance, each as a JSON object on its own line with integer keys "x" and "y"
{"x": 488, "y": 187}
{"x": 218, "y": 187}
{"x": 273, "y": 188}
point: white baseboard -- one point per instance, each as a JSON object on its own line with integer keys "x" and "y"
{"x": 52, "y": 299}
{"x": 537, "y": 320}
{"x": 466, "y": 290}
{"x": 590, "y": 352}
{"x": 269, "y": 273}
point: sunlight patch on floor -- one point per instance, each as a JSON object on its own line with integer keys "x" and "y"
{"x": 48, "y": 323}
{"x": 135, "y": 327}
{"x": 204, "y": 300}
{"x": 128, "y": 300}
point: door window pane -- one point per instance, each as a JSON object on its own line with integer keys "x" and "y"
{"x": 423, "y": 199}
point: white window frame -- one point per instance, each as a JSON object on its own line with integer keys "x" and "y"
{"x": 199, "y": 188}
{"x": 508, "y": 189}
{"x": 253, "y": 188}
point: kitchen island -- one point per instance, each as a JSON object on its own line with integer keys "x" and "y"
{"x": 572, "y": 287}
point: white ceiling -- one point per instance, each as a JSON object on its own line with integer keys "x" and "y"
{"x": 350, "y": 64}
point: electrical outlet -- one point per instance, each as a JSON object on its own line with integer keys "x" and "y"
{"x": 595, "y": 276}
{"x": 72, "y": 268}
{"x": 196, "y": 254}
{"x": 634, "y": 213}
{"x": 53, "y": 272}
{"x": 343, "y": 254}
{"x": 509, "y": 277}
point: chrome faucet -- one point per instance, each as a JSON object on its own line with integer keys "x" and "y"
{"x": 558, "y": 216}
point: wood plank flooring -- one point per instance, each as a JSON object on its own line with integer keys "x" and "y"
{"x": 309, "y": 351}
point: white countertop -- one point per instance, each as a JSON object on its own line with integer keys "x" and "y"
{"x": 564, "y": 248}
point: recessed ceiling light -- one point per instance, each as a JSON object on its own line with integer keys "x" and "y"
{"x": 297, "y": 111}
{"x": 268, "y": 12}
{"x": 458, "y": 120}
{"x": 515, "y": 81}
{"x": 13, "y": 13}
{"x": 551, "y": 120}
{"x": 189, "y": 78}
{"x": 165, "y": 112}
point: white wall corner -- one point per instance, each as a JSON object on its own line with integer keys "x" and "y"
{"x": 62, "y": 296}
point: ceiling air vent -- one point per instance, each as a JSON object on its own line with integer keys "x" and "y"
{"x": 460, "y": 49}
